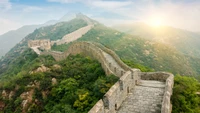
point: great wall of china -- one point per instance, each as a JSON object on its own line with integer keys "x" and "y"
{"x": 135, "y": 91}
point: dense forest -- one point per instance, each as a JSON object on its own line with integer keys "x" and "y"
{"x": 72, "y": 85}
{"x": 185, "y": 98}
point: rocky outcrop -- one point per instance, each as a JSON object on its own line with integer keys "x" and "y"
{"x": 56, "y": 67}
{"x": 4, "y": 94}
{"x": 42, "y": 68}
{"x": 2, "y": 105}
{"x": 27, "y": 98}
{"x": 11, "y": 94}
{"x": 54, "y": 81}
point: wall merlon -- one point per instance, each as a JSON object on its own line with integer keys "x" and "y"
{"x": 98, "y": 107}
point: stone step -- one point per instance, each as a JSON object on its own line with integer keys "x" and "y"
{"x": 152, "y": 83}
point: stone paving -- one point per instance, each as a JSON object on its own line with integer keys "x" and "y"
{"x": 74, "y": 35}
{"x": 144, "y": 98}
{"x": 37, "y": 51}
{"x": 111, "y": 60}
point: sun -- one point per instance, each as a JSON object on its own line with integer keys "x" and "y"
{"x": 156, "y": 22}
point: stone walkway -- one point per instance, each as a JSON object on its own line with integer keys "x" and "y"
{"x": 74, "y": 35}
{"x": 144, "y": 98}
{"x": 111, "y": 60}
{"x": 37, "y": 51}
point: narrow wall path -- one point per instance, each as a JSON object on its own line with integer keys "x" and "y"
{"x": 74, "y": 35}
{"x": 144, "y": 98}
{"x": 37, "y": 51}
{"x": 111, "y": 60}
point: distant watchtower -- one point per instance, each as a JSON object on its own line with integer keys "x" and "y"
{"x": 44, "y": 44}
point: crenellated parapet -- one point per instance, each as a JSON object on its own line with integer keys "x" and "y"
{"x": 90, "y": 49}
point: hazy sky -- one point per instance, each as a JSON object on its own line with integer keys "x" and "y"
{"x": 183, "y": 14}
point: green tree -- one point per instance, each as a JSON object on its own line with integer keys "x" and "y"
{"x": 184, "y": 98}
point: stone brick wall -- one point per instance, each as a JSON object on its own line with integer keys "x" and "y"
{"x": 43, "y": 44}
{"x": 122, "y": 64}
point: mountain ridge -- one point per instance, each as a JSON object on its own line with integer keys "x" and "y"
{"x": 184, "y": 41}
{"x": 11, "y": 38}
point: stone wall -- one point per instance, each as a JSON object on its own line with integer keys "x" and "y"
{"x": 169, "y": 80}
{"x": 122, "y": 64}
{"x": 113, "y": 99}
{"x": 88, "y": 48}
{"x": 44, "y": 44}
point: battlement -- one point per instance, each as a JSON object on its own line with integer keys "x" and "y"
{"x": 44, "y": 44}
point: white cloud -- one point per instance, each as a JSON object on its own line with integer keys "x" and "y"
{"x": 7, "y": 25}
{"x": 5, "y": 5}
{"x": 98, "y": 3}
{"x": 31, "y": 9}
{"x": 65, "y": 1}
{"x": 109, "y": 4}
{"x": 111, "y": 22}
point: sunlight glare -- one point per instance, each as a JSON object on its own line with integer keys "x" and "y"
{"x": 156, "y": 22}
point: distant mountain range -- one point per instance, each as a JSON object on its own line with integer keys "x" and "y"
{"x": 11, "y": 38}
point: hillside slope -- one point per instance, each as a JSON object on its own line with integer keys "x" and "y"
{"x": 52, "y": 32}
{"x": 158, "y": 56}
{"x": 73, "y": 85}
{"x": 11, "y": 38}
{"x": 184, "y": 41}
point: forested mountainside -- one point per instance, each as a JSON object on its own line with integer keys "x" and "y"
{"x": 184, "y": 41}
{"x": 53, "y": 32}
{"x": 44, "y": 85}
{"x": 10, "y": 39}
{"x": 158, "y": 56}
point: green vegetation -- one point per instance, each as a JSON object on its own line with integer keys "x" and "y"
{"x": 159, "y": 57}
{"x": 81, "y": 82}
{"x": 57, "y": 31}
{"x": 53, "y": 32}
{"x": 139, "y": 66}
{"x": 61, "y": 48}
{"x": 184, "y": 98}
{"x": 28, "y": 60}
{"x": 184, "y": 41}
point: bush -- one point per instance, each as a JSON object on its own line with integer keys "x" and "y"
{"x": 184, "y": 98}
